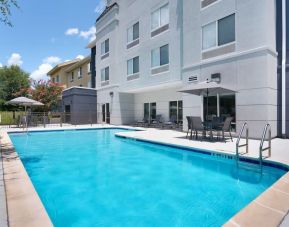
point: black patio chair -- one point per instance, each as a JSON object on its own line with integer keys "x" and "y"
{"x": 226, "y": 127}
{"x": 189, "y": 121}
{"x": 143, "y": 122}
{"x": 197, "y": 126}
{"x": 171, "y": 123}
{"x": 157, "y": 123}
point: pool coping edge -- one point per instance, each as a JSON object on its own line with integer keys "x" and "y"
{"x": 24, "y": 206}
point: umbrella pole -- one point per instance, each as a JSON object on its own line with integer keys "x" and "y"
{"x": 26, "y": 117}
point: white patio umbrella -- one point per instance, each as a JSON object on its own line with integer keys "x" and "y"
{"x": 205, "y": 88}
{"x": 23, "y": 101}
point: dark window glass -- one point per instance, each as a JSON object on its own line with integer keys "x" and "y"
{"x": 146, "y": 111}
{"x": 136, "y": 65}
{"x": 173, "y": 109}
{"x": 227, "y": 106}
{"x": 164, "y": 55}
{"x": 176, "y": 110}
{"x": 153, "y": 111}
{"x": 107, "y": 46}
{"x": 180, "y": 111}
{"x": 136, "y": 31}
{"x": 106, "y": 73}
{"x": 210, "y": 107}
{"x": 226, "y": 30}
{"x": 103, "y": 112}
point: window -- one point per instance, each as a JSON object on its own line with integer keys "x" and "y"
{"x": 53, "y": 80}
{"x": 133, "y": 33}
{"x": 57, "y": 79}
{"x": 226, "y": 30}
{"x": 105, "y": 74}
{"x": 80, "y": 72}
{"x": 176, "y": 111}
{"x": 160, "y": 56}
{"x": 88, "y": 68}
{"x": 72, "y": 77}
{"x": 150, "y": 111}
{"x": 160, "y": 17}
{"x": 219, "y": 33}
{"x": 222, "y": 106}
{"x": 133, "y": 66}
{"x": 105, "y": 47}
{"x": 153, "y": 111}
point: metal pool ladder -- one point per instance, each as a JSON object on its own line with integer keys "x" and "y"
{"x": 245, "y": 126}
{"x": 261, "y": 149}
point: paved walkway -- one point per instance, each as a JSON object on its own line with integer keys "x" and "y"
{"x": 280, "y": 147}
{"x": 3, "y": 210}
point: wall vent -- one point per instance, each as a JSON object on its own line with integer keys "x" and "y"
{"x": 193, "y": 79}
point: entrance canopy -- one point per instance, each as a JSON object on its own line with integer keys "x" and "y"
{"x": 205, "y": 88}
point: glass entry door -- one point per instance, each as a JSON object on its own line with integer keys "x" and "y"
{"x": 219, "y": 106}
{"x": 105, "y": 113}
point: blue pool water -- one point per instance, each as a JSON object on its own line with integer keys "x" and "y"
{"x": 92, "y": 178}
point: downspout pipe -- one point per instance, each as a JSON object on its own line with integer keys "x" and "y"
{"x": 284, "y": 60}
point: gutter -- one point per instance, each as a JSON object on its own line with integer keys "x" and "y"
{"x": 284, "y": 60}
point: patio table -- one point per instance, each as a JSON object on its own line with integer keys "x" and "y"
{"x": 210, "y": 126}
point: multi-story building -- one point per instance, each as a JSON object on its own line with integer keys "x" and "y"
{"x": 151, "y": 58}
{"x": 58, "y": 73}
{"x": 78, "y": 74}
{"x": 75, "y": 73}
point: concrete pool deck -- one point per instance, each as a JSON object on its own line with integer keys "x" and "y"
{"x": 25, "y": 207}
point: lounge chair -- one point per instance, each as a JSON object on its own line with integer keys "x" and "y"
{"x": 157, "y": 123}
{"x": 143, "y": 122}
{"x": 226, "y": 127}
{"x": 171, "y": 123}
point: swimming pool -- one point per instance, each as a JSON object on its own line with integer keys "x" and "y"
{"x": 92, "y": 178}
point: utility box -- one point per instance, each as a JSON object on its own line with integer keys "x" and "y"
{"x": 79, "y": 105}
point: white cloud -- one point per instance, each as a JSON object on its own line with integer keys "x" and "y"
{"x": 89, "y": 34}
{"x": 15, "y": 59}
{"x": 72, "y": 31}
{"x": 79, "y": 57}
{"x": 52, "y": 60}
{"x": 100, "y": 6}
{"x": 47, "y": 64}
{"x": 1, "y": 65}
{"x": 41, "y": 72}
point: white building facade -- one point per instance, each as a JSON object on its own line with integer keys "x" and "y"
{"x": 145, "y": 54}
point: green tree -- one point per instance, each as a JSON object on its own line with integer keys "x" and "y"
{"x": 48, "y": 93}
{"x": 5, "y": 10}
{"x": 14, "y": 82}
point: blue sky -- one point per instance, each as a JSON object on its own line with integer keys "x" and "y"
{"x": 45, "y": 33}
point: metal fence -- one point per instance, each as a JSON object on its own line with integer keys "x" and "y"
{"x": 45, "y": 119}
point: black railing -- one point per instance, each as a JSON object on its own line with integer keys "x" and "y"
{"x": 45, "y": 119}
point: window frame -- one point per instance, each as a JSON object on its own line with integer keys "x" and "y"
{"x": 159, "y": 19}
{"x": 80, "y": 72}
{"x": 104, "y": 70}
{"x": 217, "y": 46}
{"x": 133, "y": 69}
{"x": 103, "y": 45}
{"x": 72, "y": 77}
{"x": 178, "y": 120}
{"x": 159, "y": 52}
{"x": 127, "y": 33}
